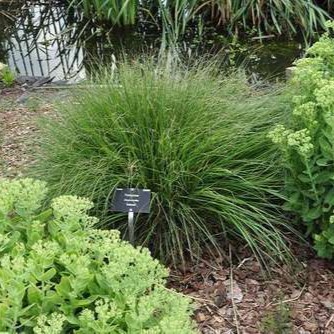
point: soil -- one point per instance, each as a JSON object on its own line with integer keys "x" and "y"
{"x": 228, "y": 297}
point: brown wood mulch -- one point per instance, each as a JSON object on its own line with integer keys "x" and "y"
{"x": 241, "y": 298}
{"x": 228, "y": 298}
{"x": 19, "y": 112}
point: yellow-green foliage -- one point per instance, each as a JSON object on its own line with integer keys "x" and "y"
{"x": 307, "y": 143}
{"x": 7, "y": 77}
{"x": 59, "y": 275}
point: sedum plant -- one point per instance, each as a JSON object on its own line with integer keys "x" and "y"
{"x": 196, "y": 137}
{"x": 59, "y": 275}
{"x": 307, "y": 143}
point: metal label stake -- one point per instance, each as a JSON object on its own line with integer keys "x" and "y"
{"x": 131, "y": 200}
{"x": 131, "y": 226}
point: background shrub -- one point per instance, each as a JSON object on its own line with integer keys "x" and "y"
{"x": 7, "y": 77}
{"x": 196, "y": 138}
{"x": 307, "y": 143}
{"x": 265, "y": 17}
{"x": 59, "y": 275}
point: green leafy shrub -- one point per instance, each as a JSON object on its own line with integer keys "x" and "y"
{"x": 59, "y": 275}
{"x": 6, "y": 75}
{"x": 308, "y": 143}
{"x": 196, "y": 138}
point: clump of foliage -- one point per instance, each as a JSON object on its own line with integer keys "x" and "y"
{"x": 263, "y": 17}
{"x": 195, "y": 137}
{"x": 7, "y": 77}
{"x": 268, "y": 17}
{"x": 308, "y": 143}
{"x": 277, "y": 321}
{"x": 118, "y": 12}
{"x": 59, "y": 275}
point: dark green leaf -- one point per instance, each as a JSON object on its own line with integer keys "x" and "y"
{"x": 313, "y": 214}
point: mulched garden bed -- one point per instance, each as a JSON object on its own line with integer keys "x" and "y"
{"x": 228, "y": 299}
{"x": 19, "y": 112}
{"x": 239, "y": 298}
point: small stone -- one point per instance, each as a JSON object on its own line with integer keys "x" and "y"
{"x": 220, "y": 300}
{"x": 310, "y": 326}
{"x": 200, "y": 317}
{"x": 328, "y": 304}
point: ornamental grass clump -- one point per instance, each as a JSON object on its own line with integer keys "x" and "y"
{"x": 196, "y": 138}
{"x": 59, "y": 275}
{"x": 307, "y": 143}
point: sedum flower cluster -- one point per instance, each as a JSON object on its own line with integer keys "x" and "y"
{"x": 60, "y": 275}
{"x": 299, "y": 141}
{"x": 307, "y": 143}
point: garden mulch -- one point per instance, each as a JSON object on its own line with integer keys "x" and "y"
{"x": 228, "y": 298}
{"x": 240, "y": 298}
{"x": 19, "y": 112}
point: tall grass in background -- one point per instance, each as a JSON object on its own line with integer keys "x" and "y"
{"x": 196, "y": 138}
{"x": 118, "y": 12}
{"x": 265, "y": 17}
{"x": 176, "y": 16}
{"x": 276, "y": 16}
